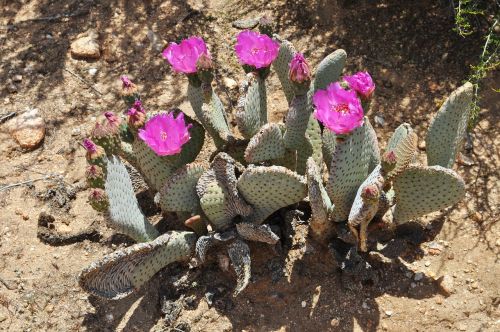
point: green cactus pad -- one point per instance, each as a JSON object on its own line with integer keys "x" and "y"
{"x": 219, "y": 197}
{"x": 122, "y": 272}
{"x": 321, "y": 205}
{"x": 239, "y": 254}
{"x": 251, "y": 111}
{"x": 329, "y": 70}
{"x": 179, "y": 192}
{"x": 400, "y": 133}
{"x": 267, "y": 144}
{"x": 214, "y": 202}
{"x": 257, "y": 233}
{"x": 405, "y": 152}
{"x": 215, "y": 123}
{"x": 349, "y": 168}
{"x": 421, "y": 190}
{"x": 269, "y": 189}
{"x": 328, "y": 146}
{"x": 311, "y": 146}
{"x": 225, "y": 173}
{"x": 447, "y": 129}
{"x": 362, "y": 212}
{"x": 124, "y": 211}
{"x": 155, "y": 169}
{"x": 282, "y": 64}
{"x": 373, "y": 143}
{"x": 296, "y": 122}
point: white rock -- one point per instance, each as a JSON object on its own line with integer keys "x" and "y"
{"x": 92, "y": 71}
{"x": 303, "y": 304}
{"x": 379, "y": 120}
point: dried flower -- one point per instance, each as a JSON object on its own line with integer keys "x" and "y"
{"x": 255, "y": 49}
{"x": 166, "y": 135}
{"x": 339, "y": 110}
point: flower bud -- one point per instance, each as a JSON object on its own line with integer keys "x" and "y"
{"x": 370, "y": 193}
{"x": 129, "y": 90}
{"x": 389, "y": 161}
{"x": 95, "y": 153}
{"x": 136, "y": 118}
{"x": 98, "y": 199}
{"x": 205, "y": 68}
{"x": 94, "y": 176}
{"x": 299, "y": 69}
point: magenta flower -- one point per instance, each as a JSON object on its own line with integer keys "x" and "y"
{"x": 184, "y": 56}
{"x": 166, "y": 135}
{"x": 299, "y": 69}
{"x": 362, "y": 83}
{"x": 255, "y": 49}
{"x": 90, "y": 146}
{"x": 339, "y": 110}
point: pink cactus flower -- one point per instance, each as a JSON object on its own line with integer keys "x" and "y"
{"x": 166, "y": 135}
{"x": 256, "y": 49}
{"x": 89, "y": 145}
{"x": 127, "y": 83}
{"x": 299, "y": 69}
{"x": 184, "y": 56}
{"x": 362, "y": 83}
{"x": 339, "y": 110}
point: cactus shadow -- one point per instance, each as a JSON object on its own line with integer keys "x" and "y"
{"x": 137, "y": 312}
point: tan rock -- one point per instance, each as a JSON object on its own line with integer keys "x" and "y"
{"x": 446, "y": 285}
{"x": 86, "y": 46}
{"x": 28, "y": 129}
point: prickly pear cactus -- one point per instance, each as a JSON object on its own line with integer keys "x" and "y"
{"x": 267, "y": 144}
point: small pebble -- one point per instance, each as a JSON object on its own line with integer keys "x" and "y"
{"x": 379, "y": 120}
{"x": 303, "y": 304}
{"x": 17, "y": 78}
{"x": 446, "y": 284}
{"x": 418, "y": 276}
{"x": 335, "y": 322}
{"x": 389, "y": 313}
{"x": 427, "y": 263}
{"x": 92, "y": 71}
{"x": 229, "y": 83}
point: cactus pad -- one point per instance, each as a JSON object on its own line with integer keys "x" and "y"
{"x": 321, "y": 205}
{"x": 251, "y": 110}
{"x": 421, "y": 190}
{"x": 269, "y": 189}
{"x": 447, "y": 129}
{"x": 296, "y": 122}
{"x": 122, "y": 272}
{"x": 239, "y": 254}
{"x": 363, "y": 211}
{"x": 124, "y": 210}
{"x": 349, "y": 168}
{"x": 267, "y": 144}
{"x": 329, "y": 69}
{"x": 179, "y": 192}
{"x": 311, "y": 146}
{"x": 405, "y": 152}
{"x": 282, "y": 66}
{"x": 257, "y": 233}
{"x": 328, "y": 146}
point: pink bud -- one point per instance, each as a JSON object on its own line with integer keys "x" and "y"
{"x": 362, "y": 83}
{"x": 90, "y": 146}
{"x": 299, "y": 69}
{"x": 370, "y": 192}
{"x": 127, "y": 83}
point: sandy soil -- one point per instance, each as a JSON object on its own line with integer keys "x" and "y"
{"x": 416, "y": 60}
